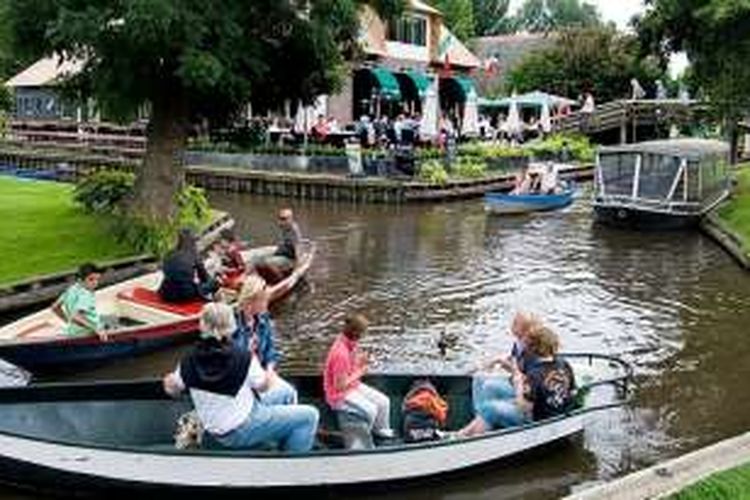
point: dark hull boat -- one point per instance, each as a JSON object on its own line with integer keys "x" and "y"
{"x": 111, "y": 437}
{"x": 144, "y": 324}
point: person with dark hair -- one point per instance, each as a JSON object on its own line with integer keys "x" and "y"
{"x": 77, "y": 305}
{"x": 233, "y": 263}
{"x": 185, "y": 277}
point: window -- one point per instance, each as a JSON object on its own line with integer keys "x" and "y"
{"x": 408, "y": 29}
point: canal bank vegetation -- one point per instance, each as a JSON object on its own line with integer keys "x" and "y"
{"x": 735, "y": 214}
{"x": 42, "y": 231}
{"x": 734, "y": 483}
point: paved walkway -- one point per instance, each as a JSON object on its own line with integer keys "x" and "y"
{"x": 670, "y": 477}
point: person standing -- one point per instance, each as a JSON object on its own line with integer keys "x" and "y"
{"x": 342, "y": 380}
{"x": 77, "y": 305}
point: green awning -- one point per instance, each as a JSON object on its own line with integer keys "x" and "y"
{"x": 466, "y": 84}
{"x": 421, "y": 81}
{"x": 389, "y": 88}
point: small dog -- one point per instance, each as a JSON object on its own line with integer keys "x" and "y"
{"x": 189, "y": 432}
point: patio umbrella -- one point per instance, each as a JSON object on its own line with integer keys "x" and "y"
{"x": 470, "y": 124}
{"x": 545, "y": 121}
{"x": 428, "y": 127}
{"x": 513, "y": 125}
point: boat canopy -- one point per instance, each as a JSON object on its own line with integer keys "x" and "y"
{"x": 682, "y": 176}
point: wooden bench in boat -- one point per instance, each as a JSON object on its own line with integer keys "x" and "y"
{"x": 151, "y": 298}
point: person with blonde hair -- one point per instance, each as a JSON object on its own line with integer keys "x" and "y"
{"x": 342, "y": 380}
{"x": 223, "y": 382}
{"x": 543, "y": 390}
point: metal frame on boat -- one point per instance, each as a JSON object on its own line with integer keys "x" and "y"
{"x": 57, "y": 435}
{"x": 661, "y": 184}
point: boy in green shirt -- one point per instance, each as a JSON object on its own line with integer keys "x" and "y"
{"x": 77, "y": 305}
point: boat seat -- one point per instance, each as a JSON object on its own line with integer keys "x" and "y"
{"x": 151, "y": 298}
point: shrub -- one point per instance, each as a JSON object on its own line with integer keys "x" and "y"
{"x": 489, "y": 151}
{"x": 470, "y": 169}
{"x": 433, "y": 172}
{"x": 104, "y": 191}
{"x": 579, "y": 148}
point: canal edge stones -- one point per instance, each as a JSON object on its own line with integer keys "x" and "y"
{"x": 43, "y": 289}
{"x": 713, "y": 227}
{"x": 672, "y": 476}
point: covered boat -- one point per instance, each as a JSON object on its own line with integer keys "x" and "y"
{"x": 661, "y": 184}
{"x": 509, "y": 204}
{"x": 110, "y": 437}
{"x": 143, "y": 323}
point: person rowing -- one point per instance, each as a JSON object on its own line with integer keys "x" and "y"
{"x": 287, "y": 251}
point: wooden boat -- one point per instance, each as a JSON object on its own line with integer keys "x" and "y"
{"x": 667, "y": 184}
{"x": 511, "y": 204}
{"x": 143, "y": 323}
{"x": 110, "y": 437}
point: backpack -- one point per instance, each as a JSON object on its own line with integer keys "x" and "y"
{"x": 424, "y": 412}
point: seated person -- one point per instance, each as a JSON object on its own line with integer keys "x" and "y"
{"x": 223, "y": 380}
{"x": 522, "y": 182}
{"x": 287, "y": 250}
{"x": 545, "y": 390}
{"x": 185, "y": 277}
{"x": 255, "y": 331}
{"x": 77, "y": 305}
{"x": 550, "y": 180}
{"x": 345, "y": 393}
{"x": 233, "y": 263}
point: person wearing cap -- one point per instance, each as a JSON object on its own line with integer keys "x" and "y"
{"x": 224, "y": 383}
{"x": 77, "y": 305}
{"x": 344, "y": 391}
{"x": 185, "y": 277}
{"x": 255, "y": 331}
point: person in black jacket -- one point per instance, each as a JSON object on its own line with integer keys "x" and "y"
{"x": 185, "y": 277}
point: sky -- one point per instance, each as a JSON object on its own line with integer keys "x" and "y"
{"x": 621, "y": 11}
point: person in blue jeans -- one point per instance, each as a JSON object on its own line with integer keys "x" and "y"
{"x": 545, "y": 390}
{"x": 225, "y": 383}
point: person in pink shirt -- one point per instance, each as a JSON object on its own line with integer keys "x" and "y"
{"x": 345, "y": 366}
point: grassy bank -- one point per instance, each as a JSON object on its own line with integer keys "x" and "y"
{"x": 736, "y": 213}
{"x": 43, "y": 232}
{"x": 734, "y": 483}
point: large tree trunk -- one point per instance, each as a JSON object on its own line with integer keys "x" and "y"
{"x": 734, "y": 141}
{"x": 160, "y": 176}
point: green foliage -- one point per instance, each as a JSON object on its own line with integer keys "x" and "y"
{"x": 104, "y": 191}
{"x": 468, "y": 168}
{"x": 599, "y": 60}
{"x": 578, "y": 147}
{"x": 491, "y": 18}
{"x": 716, "y": 36}
{"x": 736, "y": 213}
{"x": 553, "y": 15}
{"x": 489, "y": 151}
{"x": 433, "y": 172}
{"x": 734, "y": 483}
{"x": 458, "y": 16}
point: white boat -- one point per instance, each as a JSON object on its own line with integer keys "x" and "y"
{"x": 109, "y": 437}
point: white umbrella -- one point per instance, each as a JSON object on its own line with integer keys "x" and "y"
{"x": 470, "y": 123}
{"x": 428, "y": 127}
{"x": 513, "y": 125}
{"x": 545, "y": 121}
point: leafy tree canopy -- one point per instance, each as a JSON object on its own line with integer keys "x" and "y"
{"x": 552, "y": 15}
{"x": 184, "y": 58}
{"x": 599, "y": 60}
{"x": 491, "y": 17}
{"x": 458, "y": 15}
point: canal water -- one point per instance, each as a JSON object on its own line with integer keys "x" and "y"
{"x": 674, "y": 305}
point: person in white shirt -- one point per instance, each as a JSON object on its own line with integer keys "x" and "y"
{"x": 224, "y": 382}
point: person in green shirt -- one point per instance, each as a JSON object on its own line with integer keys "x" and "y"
{"x": 77, "y": 305}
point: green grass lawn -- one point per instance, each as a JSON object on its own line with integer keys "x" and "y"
{"x": 736, "y": 214}
{"x": 43, "y": 232}
{"x": 732, "y": 484}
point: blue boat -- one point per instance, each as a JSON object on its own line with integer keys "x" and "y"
{"x": 509, "y": 204}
